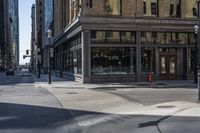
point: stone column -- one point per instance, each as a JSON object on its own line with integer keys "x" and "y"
{"x": 86, "y": 56}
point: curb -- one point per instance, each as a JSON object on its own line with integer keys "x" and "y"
{"x": 145, "y": 86}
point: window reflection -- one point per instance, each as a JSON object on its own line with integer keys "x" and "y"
{"x": 150, "y": 7}
{"x": 113, "y": 7}
{"x": 116, "y": 37}
{"x": 147, "y": 60}
{"x": 167, "y": 38}
{"x": 113, "y": 61}
{"x": 112, "y": 37}
{"x": 175, "y": 8}
{"x": 72, "y": 56}
{"x": 191, "y": 9}
{"x": 191, "y": 60}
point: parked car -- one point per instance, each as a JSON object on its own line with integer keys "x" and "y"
{"x": 9, "y": 72}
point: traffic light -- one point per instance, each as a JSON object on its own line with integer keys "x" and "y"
{"x": 27, "y": 52}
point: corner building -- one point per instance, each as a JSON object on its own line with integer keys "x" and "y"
{"x": 124, "y": 40}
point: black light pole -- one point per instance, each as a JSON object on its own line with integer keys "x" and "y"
{"x": 196, "y": 30}
{"x": 49, "y": 34}
{"x": 196, "y": 27}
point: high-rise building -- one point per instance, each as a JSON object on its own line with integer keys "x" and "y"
{"x": 47, "y": 21}
{"x": 6, "y": 36}
{"x": 124, "y": 40}
{"x": 38, "y": 36}
{"x": 14, "y": 14}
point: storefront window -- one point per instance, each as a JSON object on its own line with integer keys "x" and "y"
{"x": 191, "y": 37}
{"x": 113, "y": 37}
{"x": 128, "y": 37}
{"x": 113, "y": 61}
{"x": 147, "y": 60}
{"x": 73, "y": 56}
{"x": 191, "y": 60}
{"x": 179, "y": 38}
{"x": 146, "y": 37}
{"x": 113, "y": 7}
{"x": 98, "y": 36}
{"x": 164, "y": 38}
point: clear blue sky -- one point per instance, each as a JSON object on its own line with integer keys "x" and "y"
{"x": 25, "y": 27}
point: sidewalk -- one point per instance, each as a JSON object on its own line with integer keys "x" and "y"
{"x": 169, "y": 117}
{"x": 58, "y": 82}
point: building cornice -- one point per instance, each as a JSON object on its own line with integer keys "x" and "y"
{"x": 124, "y": 23}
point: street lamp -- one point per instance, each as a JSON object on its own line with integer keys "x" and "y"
{"x": 196, "y": 30}
{"x": 49, "y": 35}
{"x": 198, "y": 1}
{"x": 38, "y": 62}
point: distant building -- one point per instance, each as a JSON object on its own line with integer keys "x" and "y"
{"x": 33, "y": 37}
{"x": 124, "y": 40}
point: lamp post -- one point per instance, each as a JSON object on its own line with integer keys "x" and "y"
{"x": 196, "y": 30}
{"x": 38, "y": 62}
{"x": 49, "y": 35}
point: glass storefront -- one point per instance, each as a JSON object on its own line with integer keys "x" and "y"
{"x": 166, "y": 38}
{"x": 71, "y": 55}
{"x": 147, "y": 60}
{"x": 191, "y": 60}
{"x": 113, "y": 60}
{"x": 113, "y": 37}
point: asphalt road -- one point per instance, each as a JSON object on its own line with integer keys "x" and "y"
{"x": 27, "y": 109}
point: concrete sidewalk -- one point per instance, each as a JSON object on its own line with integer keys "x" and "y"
{"x": 58, "y": 82}
{"x": 169, "y": 117}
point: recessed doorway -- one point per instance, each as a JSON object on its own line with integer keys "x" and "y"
{"x": 168, "y": 66}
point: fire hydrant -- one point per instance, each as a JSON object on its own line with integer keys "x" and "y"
{"x": 149, "y": 77}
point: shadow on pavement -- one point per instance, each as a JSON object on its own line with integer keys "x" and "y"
{"x": 19, "y": 116}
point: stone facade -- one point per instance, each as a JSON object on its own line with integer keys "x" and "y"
{"x": 157, "y": 28}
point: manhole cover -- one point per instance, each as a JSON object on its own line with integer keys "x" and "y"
{"x": 71, "y": 93}
{"x": 166, "y": 106}
{"x": 161, "y": 84}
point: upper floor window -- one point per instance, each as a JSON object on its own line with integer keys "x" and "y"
{"x": 89, "y": 3}
{"x": 191, "y": 9}
{"x": 113, "y": 7}
{"x": 154, "y": 7}
{"x": 175, "y": 9}
{"x": 150, "y": 7}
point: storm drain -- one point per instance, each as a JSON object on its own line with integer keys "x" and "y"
{"x": 166, "y": 106}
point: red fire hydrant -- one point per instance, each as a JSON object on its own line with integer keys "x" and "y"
{"x": 149, "y": 77}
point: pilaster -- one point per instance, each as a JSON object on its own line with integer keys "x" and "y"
{"x": 86, "y": 56}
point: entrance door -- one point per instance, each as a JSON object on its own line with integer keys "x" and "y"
{"x": 168, "y": 64}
